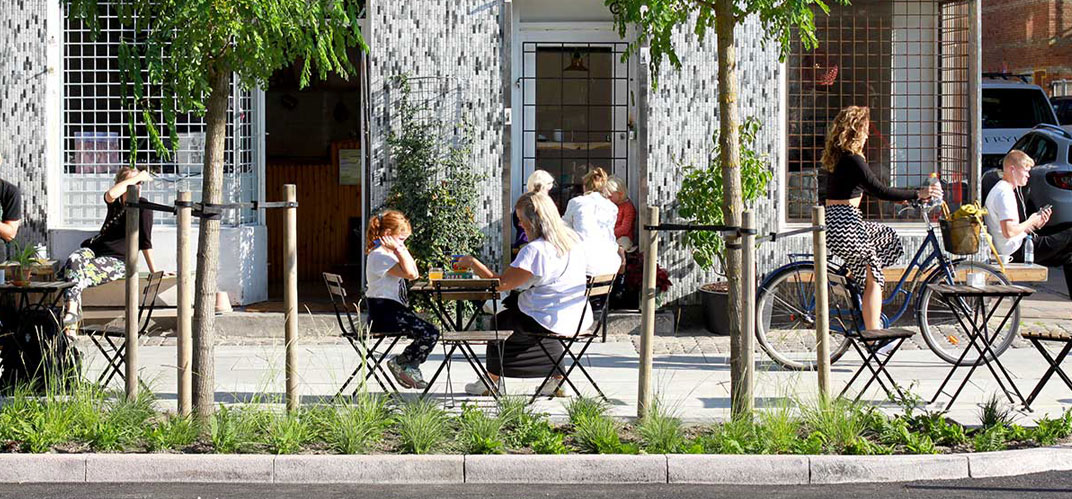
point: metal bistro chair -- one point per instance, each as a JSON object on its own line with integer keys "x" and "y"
{"x": 111, "y": 340}
{"x": 845, "y": 309}
{"x": 597, "y": 287}
{"x": 358, "y": 337}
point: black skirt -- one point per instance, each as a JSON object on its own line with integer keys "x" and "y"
{"x": 520, "y": 356}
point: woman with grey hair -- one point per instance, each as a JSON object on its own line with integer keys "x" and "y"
{"x": 625, "y": 226}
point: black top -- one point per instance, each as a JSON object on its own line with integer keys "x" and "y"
{"x": 10, "y": 202}
{"x": 111, "y": 240}
{"x": 851, "y": 177}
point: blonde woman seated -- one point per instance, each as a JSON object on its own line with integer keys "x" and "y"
{"x": 539, "y": 181}
{"x": 593, "y": 216}
{"x": 552, "y": 266}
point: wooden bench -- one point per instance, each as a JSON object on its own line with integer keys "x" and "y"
{"x": 1016, "y": 272}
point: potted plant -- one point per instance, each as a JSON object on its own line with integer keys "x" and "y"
{"x": 25, "y": 257}
{"x": 700, "y": 202}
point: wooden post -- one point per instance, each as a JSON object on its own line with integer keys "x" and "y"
{"x": 822, "y": 303}
{"x": 290, "y": 292}
{"x": 650, "y": 243}
{"x": 185, "y": 312}
{"x": 133, "y": 216}
{"x": 742, "y": 361}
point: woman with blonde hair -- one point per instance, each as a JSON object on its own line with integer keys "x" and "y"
{"x": 593, "y": 216}
{"x": 552, "y": 267}
{"x": 866, "y": 247}
{"x": 539, "y": 181}
{"x": 102, "y": 258}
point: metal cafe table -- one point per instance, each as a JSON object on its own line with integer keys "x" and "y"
{"x": 973, "y": 307}
{"x": 458, "y": 332}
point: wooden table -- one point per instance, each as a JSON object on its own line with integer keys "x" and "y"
{"x": 458, "y": 331}
{"x": 973, "y": 311}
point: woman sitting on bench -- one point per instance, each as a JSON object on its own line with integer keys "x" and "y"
{"x": 553, "y": 267}
{"x": 102, "y": 258}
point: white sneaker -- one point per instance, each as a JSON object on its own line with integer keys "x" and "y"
{"x": 548, "y": 391}
{"x": 479, "y": 389}
{"x": 886, "y": 349}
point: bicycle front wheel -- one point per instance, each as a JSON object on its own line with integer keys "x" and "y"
{"x": 945, "y": 336}
{"x": 785, "y": 319}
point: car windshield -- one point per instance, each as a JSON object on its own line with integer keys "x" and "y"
{"x": 1015, "y": 108}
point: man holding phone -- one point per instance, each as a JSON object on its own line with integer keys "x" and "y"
{"x": 1005, "y": 210}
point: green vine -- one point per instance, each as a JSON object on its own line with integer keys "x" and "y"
{"x": 435, "y": 185}
{"x": 700, "y": 197}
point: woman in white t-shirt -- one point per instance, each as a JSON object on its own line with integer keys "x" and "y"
{"x": 552, "y": 266}
{"x": 387, "y": 267}
{"x": 593, "y": 216}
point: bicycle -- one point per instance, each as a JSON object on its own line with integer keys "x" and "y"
{"x": 785, "y": 305}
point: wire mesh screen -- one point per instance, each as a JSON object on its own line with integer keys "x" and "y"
{"x": 907, "y": 60}
{"x": 97, "y": 135}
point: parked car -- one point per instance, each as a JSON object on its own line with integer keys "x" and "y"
{"x": 1063, "y": 107}
{"x": 1011, "y": 107}
{"x": 1051, "y": 178}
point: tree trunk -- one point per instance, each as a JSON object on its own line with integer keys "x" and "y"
{"x": 729, "y": 143}
{"x": 208, "y": 246}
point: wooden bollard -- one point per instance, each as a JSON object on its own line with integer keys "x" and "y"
{"x": 742, "y": 361}
{"x": 133, "y": 216}
{"x": 290, "y": 292}
{"x": 185, "y": 312}
{"x": 822, "y": 303}
{"x": 650, "y": 243}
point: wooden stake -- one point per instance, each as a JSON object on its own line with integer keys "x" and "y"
{"x": 133, "y": 216}
{"x": 290, "y": 292}
{"x": 185, "y": 311}
{"x": 650, "y": 243}
{"x": 742, "y": 362}
{"x": 822, "y": 303}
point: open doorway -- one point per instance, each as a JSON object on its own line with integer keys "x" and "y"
{"x": 314, "y": 140}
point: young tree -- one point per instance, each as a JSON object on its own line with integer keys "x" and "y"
{"x": 655, "y": 22}
{"x": 188, "y": 51}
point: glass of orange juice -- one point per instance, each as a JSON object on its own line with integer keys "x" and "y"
{"x": 435, "y": 273}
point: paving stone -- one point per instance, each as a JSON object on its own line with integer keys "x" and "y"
{"x": 1020, "y": 462}
{"x": 851, "y": 469}
{"x": 565, "y": 469}
{"x": 370, "y": 469}
{"x": 178, "y": 468}
{"x": 19, "y": 468}
{"x": 723, "y": 469}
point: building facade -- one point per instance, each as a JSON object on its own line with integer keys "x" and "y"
{"x": 1032, "y": 37}
{"x": 543, "y": 84}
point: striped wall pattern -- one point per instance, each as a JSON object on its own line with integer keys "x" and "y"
{"x": 23, "y": 70}
{"x": 458, "y": 40}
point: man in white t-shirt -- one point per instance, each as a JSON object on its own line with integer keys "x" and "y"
{"x": 1006, "y": 222}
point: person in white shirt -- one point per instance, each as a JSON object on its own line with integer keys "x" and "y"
{"x": 593, "y": 216}
{"x": 1009, "y": 227}
{"x": 387, "y": 267}
{"x": 553, "y": 303}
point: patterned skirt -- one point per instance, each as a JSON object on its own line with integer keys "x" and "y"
{"x": 860, "y": 243}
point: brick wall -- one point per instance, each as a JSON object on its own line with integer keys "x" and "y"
{"x": 1025, "y": 36}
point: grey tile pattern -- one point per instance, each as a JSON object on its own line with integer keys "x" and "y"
{"x": 456, "y": 40}
{"x": 23, "y": 71}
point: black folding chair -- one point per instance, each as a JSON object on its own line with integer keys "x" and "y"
{"x": 1036, "y": 338}
{"x": 845, "y": 304}
{"x": 358, "y": 335}
{"x": 597, "y": 287}
{"x": 111, "y": 340}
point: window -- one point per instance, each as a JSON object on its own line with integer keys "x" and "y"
{"x": 1015, "y": 108}
{"x": 575, "y": 112}
{"x": 97, "y": 138}
{"x": 907, "y": 60}
{"x": 1040, "y": 148}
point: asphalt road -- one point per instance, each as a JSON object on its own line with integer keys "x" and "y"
{"x": 1054, "y": 484}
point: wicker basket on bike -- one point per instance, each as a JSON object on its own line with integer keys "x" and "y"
{"x": 960, "y": 230}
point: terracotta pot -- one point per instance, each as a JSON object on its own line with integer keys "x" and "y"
{"x": 22, "y": 276}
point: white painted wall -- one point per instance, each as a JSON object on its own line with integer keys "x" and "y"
{"x": 243, "y": 271}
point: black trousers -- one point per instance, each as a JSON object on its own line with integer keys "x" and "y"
{"x": 1052, "y": 250}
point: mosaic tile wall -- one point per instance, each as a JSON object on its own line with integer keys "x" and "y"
{"x": 23, "y": 70}
{"x": 454, "y": 39}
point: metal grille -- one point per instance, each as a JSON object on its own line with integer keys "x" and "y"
{"x": 575, "y": 113}
{"x": 97, "y": 137}
{"x": 907, "y": 60}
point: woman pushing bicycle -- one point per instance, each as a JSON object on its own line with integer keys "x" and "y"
{"x": 866, "y": 247}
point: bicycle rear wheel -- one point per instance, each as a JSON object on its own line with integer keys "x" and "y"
{"x": 944, "y": 334}
{"x": 785, "y": 319}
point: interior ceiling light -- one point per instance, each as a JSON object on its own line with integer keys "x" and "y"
{"x": 576, "y": 63}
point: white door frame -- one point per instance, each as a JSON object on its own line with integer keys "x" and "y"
{"x": 563, "y": 32}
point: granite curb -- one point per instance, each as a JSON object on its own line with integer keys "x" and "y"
{"x": 457, "y": 469}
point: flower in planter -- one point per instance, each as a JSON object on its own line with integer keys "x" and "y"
{"x": 628, "y": 295}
